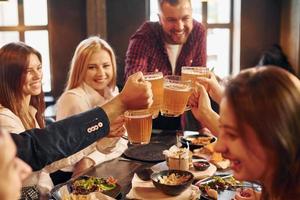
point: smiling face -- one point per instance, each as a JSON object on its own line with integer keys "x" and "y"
{"x": 12, "y": 170}
{"x": 99, "y": 71}
{"x": 33, "y": 77}
{"x": 176, "y": 21}
{"x": 247, "y": 156}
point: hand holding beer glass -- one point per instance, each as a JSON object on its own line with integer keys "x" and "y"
{"x": 156, "y": 80}
{"x": 139, "y": 126}
{"x": 192, "y": 73}
{"x": 176, "y": 94}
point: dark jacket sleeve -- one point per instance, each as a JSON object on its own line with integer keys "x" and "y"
{"x": 40, "y": 147}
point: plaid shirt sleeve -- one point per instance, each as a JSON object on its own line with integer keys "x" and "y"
{"x": 200, "y": 56}
{"x": 136, "y": 57}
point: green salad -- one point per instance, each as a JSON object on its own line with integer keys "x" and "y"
{"x": 87, "y": 185}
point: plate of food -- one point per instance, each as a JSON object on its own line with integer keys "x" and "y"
{"x": 197, "y": 141}
{"x": 216, "y": 158}
{"x": 84, "y": 186}
{"x": 223, "y": 187}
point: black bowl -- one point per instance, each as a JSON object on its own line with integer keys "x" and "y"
{"x": 188, "y": 139}
{"x": 201, "y": 165}
{"x": 172, "y": 190}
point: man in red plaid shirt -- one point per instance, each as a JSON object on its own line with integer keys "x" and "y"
{"x": 176, "y": 40}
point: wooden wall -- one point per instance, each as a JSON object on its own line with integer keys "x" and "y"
{"x": 123, "y": 19}
{"x": 67, "y": 27}
{"x": 260, "y": 28}
{"x": 290, "y": 31}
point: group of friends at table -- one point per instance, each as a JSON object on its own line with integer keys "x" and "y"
{"x": 258, "y": 126}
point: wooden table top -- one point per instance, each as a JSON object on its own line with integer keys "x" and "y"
{"x": 123, "y": 170}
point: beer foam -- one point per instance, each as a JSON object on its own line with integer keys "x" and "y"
{"x": 195, "y": 72}
{"x": 138, "y": 116}
{"x": 192, "y": 72}
{"x": 153, "y": 77}
{"x": 177, "y": 87}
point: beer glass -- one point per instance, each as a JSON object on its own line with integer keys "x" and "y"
{"x": 176, "y": 94}
{"x": 139, "y": 126}
{"x": 156, "y": 80}
{"x": 191, "y": 73}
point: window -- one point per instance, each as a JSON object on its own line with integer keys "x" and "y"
{"x": 27, "y": 21}
{"x": 217, "y": 17}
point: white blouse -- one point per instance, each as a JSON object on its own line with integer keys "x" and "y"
{"x": 13, "y": 124}
{"x": 81, "y": 99}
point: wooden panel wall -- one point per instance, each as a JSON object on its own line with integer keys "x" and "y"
{"x": 123, "y": 19}
{"x": 290, "y": 31}
{"x": 67, "y": 27}
{"x": 260, "y": 28}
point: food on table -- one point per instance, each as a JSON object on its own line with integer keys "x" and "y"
{"x": 201, "y": 165}
{"x": 174, "y": 179}
{"x": 178, "y": 158}
{"x": 215, "y": 158}
{"x": 197, "y": 141}
{"x": 246, "y": 194}
{"x": 212, "y": 193}
{"x": 200, "y": 140}
{"x": 218, "y": 183}
{"x": 172, "y": 182}
{"x": 87, "y": 185}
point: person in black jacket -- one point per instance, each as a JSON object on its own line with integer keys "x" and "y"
{"x": 39, "y": 147}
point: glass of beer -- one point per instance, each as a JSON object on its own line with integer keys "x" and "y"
{"x": 191, "y": 73}
{"x": 156, "y": 80}
{"x": 139, "y": 126}
{"x": 176, "y": 94}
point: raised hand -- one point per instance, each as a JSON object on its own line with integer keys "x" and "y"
{"x": 137, "y": 93}
{"x": 212, "y": 86}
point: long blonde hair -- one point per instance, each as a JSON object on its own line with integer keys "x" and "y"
{"x": 81, "y": 57}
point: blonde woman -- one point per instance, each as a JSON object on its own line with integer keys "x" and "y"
{"x": 91, "y": 83}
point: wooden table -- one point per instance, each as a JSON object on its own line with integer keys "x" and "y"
{"x": 123, "y": 171}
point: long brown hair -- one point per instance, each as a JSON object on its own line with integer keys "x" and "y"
{"x": 267, "y": 99}
{"x": 82, "y": 55}
{"x": 14, "y": 60}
